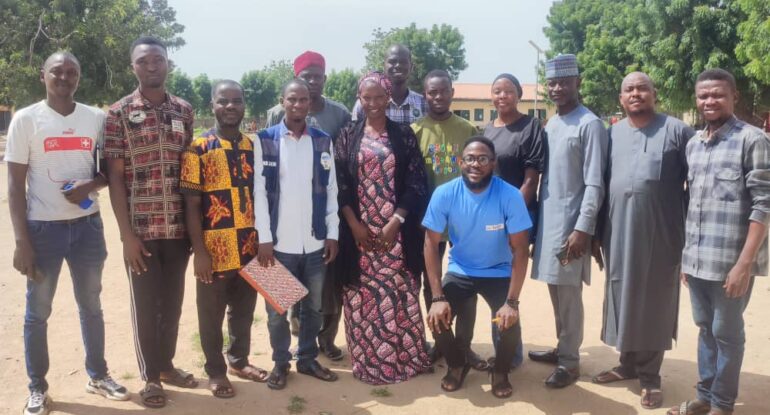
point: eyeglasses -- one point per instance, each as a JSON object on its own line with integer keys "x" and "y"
{"x": 481, "y": 160}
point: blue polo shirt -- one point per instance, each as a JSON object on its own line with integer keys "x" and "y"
{"x": 479, "y": 225}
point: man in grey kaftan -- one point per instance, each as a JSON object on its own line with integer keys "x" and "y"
{"x": 642, "y": 234}
{"x": 571, "y": 195}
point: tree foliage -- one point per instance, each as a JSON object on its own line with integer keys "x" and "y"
{"x": 98, "y": 32}
{"x": 440, "y": 47}
{"x": 263, "y": 86}
{"x": 671, "y": 40}
{"x": 342, "y": 87}
{"x": 202, "y": 87}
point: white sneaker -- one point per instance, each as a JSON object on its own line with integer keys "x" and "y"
{"x": 108, "y": 388}
{"x": 38, "y": 403}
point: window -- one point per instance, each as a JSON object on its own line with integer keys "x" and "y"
{"x": 463, "y": 113}
{"x": 478, "y": 114}
{"x": 540, "y": 113}
{"x": 492, "y": 115}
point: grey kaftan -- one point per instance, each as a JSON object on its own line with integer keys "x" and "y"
{"x": 571, "y": 193}
{"x": 643, "y": 233}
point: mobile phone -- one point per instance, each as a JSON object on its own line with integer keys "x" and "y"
{"x": 562, "y": 256}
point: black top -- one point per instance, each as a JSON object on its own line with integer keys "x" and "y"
{"x": 518, "y": 146}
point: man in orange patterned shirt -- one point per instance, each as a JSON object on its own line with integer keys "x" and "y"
{"x": 217, "y": 181}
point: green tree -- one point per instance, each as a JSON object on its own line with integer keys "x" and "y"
{"x": 342, "y": 87}
{"x": 202, "y": 88}
{"x": 263, "y": 86}
{"x": 179, "y": 84}
{"x": 754, "y": 46}
{"x": 440, "y": 47}
{"x": 98, "y": 32}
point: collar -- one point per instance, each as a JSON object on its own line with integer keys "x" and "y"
{"x": 138, "y": 100}
{"x": 284, "y": 130}
{"x": 720, "y": 134}
{"x": 409, "y": 100}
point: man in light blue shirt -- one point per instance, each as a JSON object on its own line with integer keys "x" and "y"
{"x": 487, "y": 221}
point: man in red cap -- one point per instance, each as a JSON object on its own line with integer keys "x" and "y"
{"x": 329, "y": 116}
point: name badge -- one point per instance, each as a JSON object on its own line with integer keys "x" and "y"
{"x": 267, "y": 163}
{"x": 137, "y": 116}
{"x": 496, "y": 227}
{"x": 326, "y": 160}
{"x": 177, "y": 126}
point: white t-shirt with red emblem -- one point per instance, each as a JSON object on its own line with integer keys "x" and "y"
{"x": 57, "y": 149}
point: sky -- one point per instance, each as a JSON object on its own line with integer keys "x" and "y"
{"x": 227, "y": 38}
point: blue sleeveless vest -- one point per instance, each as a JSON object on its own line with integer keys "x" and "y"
{"x": 270, "y": 140}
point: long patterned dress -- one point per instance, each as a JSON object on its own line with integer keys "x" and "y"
{"x": 384, "y": 327}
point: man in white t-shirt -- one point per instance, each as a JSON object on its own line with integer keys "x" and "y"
{"x": 52, "y": 148}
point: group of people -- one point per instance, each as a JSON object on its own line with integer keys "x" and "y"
{"x": 362, "y": 208}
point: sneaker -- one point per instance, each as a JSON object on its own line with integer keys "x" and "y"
{"x": 38, "y": 403}
{"x": 108, "y": 388}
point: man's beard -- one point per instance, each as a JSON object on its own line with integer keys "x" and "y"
{"x": 477, "y": 186}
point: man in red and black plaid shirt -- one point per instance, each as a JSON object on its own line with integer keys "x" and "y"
{"x": 145, "y": 135}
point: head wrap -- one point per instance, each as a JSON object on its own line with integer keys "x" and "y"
{"x": 561, "y": 66}
{"x": 309, "y": 58}
{"x": 513, "y": 80}
{"x": 378, "y": 78}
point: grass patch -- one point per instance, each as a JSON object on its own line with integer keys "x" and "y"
{"x": 257, "y": 320}
{"x": 127, "y": 376}
{"x": 296, "y": 404}
{"x": 381, "y": 392}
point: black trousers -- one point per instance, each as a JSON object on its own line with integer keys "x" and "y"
{"x": 331, "y": 309}
{"x": 233, "y": 294}
{"x": 458, "y": 289}
{"x": 156, "y": 305}
{"x": 645, "y": 365}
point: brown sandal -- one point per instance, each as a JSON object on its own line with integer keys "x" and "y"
{"x": 179, "y": 378}
{"x": 651, "y": 398}
{"x": 501, "y": 388}
{"x": 221, "y": 387}
{"x": 250, "y": 372}
{"x": 610, "y": 376}
{"x": 450, "y": 382}
{"x": 694, "y": 407}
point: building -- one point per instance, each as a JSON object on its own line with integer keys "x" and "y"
{"x": 474, "y": 103}
{"x": 5, "y": 118}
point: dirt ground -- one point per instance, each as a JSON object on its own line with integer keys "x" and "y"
{"x": 304, "y": 395}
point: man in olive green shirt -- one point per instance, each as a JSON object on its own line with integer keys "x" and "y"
{"x": 442, "y": 135}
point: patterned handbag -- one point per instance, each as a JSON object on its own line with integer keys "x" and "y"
{"x": 279, "y": 287}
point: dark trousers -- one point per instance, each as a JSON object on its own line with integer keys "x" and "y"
{"x": 234, "y": 294}
{"x": 156, "y": 305}
{"x": 458, "y": 289}
{"x": 645, "y": 365}
{"x": 331, "y": 309}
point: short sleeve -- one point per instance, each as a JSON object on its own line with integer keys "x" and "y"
{"x": 18, "y": 145}
{"x": 517, "y": 217}
{"x": 114, "y": 135}
{"x": 436, "y": 217}
{"x": 191, "y": 178}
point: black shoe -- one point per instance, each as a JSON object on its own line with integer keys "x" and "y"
{"x": 545, "y": 356}
{"x": 433, "y": 353}
{"x": 562, "y": 377}
{"x": 331, "y": 351}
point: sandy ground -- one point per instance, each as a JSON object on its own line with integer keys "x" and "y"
{"x": 348, "y": 396}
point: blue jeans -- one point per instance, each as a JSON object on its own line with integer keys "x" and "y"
{"x": 81, "y": 243}
{"x": 309, "y": 270}
{"x": 720, "y": 342}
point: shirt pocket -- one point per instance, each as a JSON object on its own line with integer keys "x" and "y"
{"x": 649, "y": 166}
{"x": 728, "y": 185}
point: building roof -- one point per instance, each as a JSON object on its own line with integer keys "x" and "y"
{"x": 482, "y": 91}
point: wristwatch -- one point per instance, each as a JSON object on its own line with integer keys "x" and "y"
{"x": 513, "y": 303}
{"x": 400, "y": 218}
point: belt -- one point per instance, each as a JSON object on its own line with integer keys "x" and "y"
{"x": 71, "y": 221}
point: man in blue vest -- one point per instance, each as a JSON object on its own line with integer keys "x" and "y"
{"x": 295, "y": 207}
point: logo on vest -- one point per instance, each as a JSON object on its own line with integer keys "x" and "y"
{"x": 326, "y": 160}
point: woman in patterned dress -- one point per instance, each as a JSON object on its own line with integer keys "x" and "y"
{"x": 382, "y": 195}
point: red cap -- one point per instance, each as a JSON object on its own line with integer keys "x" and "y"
{"x": 306, "y": 59}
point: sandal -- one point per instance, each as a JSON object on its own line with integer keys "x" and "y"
{"x": 250, "y": 372}
{"x": 450, "y": 383}
{"x": 651, "y": 398}
{"x": 179, "y": 378}
{"x": 221, "y": 387}
{"x": 610, "y": 376}
{"x": 277, "y": 378}
{"x": 501, "y": 389}
{"x": 153, "y": 395}
{"x": 476, "y": 361}
{"x": 694, "y": 407}
{"x": 317, "y": 371}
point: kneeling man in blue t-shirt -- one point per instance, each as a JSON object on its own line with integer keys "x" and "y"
{"x": 488, "y": 222}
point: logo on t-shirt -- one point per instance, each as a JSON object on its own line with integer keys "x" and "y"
{"x": 496, "y": 227}
{"x": 443, "y": 159}
{"x": 67, "y": 144}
